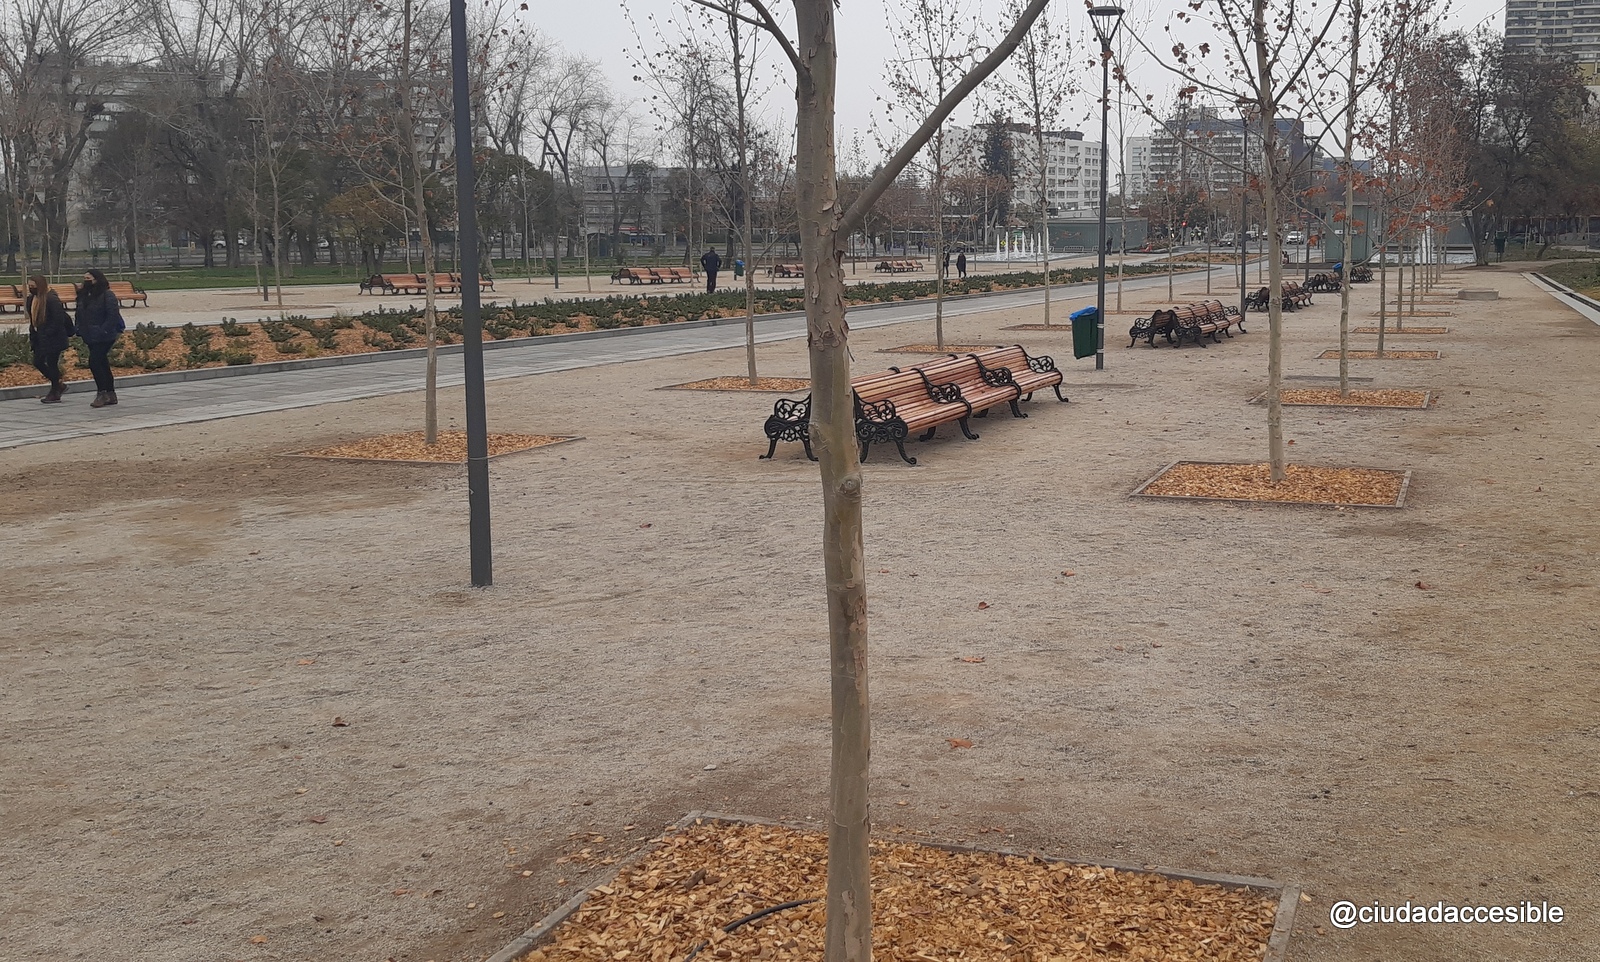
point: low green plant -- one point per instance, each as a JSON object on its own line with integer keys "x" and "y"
{"x": 235, "y": 356}
{"x": 198, "y": 341}
{"x": 232, "y": 328}
{"x": 148, "y": 336}
{"x": 279, "y": 333}
{"x": 15, "y": 349}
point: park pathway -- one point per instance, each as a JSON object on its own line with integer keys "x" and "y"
{"x": 26, "y": 421}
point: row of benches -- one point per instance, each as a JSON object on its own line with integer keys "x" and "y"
{"x": 127, "y": 295}
{"x": 1294, "y": 297}
{"x": 898, "y": 267}
{"x": 1195, "y": 321}
{"x": 653, "y": 275}
{"x": 891, "y": 405}
{"x": 417, "y": 284}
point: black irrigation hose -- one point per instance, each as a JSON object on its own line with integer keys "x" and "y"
{"x": 753, "y": 916}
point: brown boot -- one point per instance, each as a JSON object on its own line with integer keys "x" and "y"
{"x": 54, "y": 396}
{"x": 111, "y": 397}
{"x": 99, "y": 400}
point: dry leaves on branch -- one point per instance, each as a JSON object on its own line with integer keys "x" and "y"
{"x": 928, "y": 904}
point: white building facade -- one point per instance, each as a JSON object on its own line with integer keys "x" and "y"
{"x": 1071, "y": 165}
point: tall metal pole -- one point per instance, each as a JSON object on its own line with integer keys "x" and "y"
{"x": 471, "y": 313}
{"x": 1114, "y": 16}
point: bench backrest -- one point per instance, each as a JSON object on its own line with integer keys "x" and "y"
{"x": 965, "y": 372}
{"x": 1013, "y": 359}
{"x": 67, "y": 292}
{"x": 897, "y": 386}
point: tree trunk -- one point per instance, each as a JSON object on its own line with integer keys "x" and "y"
{"x": 1269, "y": 214}
{"x": 1349, "y": 198}
{"x": 419, "y": 202}
{"x": 849, "y": 901}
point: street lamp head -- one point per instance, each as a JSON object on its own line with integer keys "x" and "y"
{"x": 1106, "y": 19}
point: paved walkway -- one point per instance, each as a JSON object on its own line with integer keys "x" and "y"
{"x": 26, "y": 421}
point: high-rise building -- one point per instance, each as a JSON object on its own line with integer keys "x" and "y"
{"x": 1204, "y": 150}
{"x": 1071, "y": 164}
{"x": 1565, "y": 28}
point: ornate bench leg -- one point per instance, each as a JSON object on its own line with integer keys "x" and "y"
{"x": 928, "y": 434}
{"x": 864, "y": 446}
{"x": 1016, "y": 412}
{"x": 903, "y": 455}
{"x": 967, "y": 431}
{"x": 772, "y": 446}
{"x": 1063, "y": 397}
{"x": 806, "y": 440}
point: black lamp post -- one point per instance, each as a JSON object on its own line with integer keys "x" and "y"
{"x": 1106, "y": 20}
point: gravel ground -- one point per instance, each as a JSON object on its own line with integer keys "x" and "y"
{"x": 1375, "y": 705}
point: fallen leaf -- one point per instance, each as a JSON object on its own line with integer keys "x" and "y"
{"x": 982, "y": 605}
{"x": 1320, "y": 591}
{"x": 306, "y": 661}
{"x": 402, "y": 891}
{"x": 339, "y": 722}
{"x": 1068, "y": 574}
{"x": 1424, "y": 586}
{"x": 498, "y": 915}
{"x": 1540, "y": 567}
{"x": 972, "y": 661}
{"x": 959, "y": 742}
{"x": 258, "y": 940}
{"x": 883, "y": 571}
{"x": 318, "y": 819}
{"x": 527, "y": 873}
{"x": 902, "y": 803}
{"x": 644, "y": 525}
{"x": 1538, "y": 488}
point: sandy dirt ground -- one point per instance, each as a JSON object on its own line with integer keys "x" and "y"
{"x": 1374, "y": 705}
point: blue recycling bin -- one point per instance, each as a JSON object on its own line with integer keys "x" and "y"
{"x": 1086, "y": 332}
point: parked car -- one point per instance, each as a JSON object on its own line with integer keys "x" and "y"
{"x": 1229, "y": 239}
{"x": 1295, "y": 237}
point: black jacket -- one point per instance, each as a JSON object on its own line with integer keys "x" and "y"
{"x": 52, "y": 337}
{"x": 99, "y": 318}
{"x": 711, "y": 262}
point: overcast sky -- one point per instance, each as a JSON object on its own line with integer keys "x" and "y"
{"x": 600, "y": 29}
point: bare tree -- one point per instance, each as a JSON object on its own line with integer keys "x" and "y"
{"x": 564, "y": 109}
{"x": 1038, "y": 89}
{"x": 825, "y": 232}
{"x": 935, "y": 40}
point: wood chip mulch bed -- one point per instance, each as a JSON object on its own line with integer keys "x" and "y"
{"x": 1426, "y": 314}
{"x": 1330, "y": 397}
{"x": 1065, "y": 328}
{"x": 935, "y": 349}
{"x": 929, "y": 905}
{"x": 450, "y": 448}
{"x": 742, "y": 383}
{"x": 1386, "y": 356}
{"x": 1303, "y": 484}
{"x": 1402, "y": 330}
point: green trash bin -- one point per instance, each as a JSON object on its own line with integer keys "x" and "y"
{"x": 1085, "y": 332}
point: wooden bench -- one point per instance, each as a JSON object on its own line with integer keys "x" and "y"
{"x": 394, "y": 284}
{"x": 1324, "y": 283}
{"x": 672, "y": 275}
{"x": 67, "y": 292}
{"x": 1029, "y": 374}
{"x": 484, "y": 283}
{"x": 636, "y": 275}
{"x": 1295, "y": 296}
{"x": 1360, "y": 274}
{"x": 1159, "y": 322}
{"x": 891, "y": 404}
{"x": 788, "y": 270}
{"x": 125, "y": 291}
{"x": 1228, "y": 311}
{"x": 12, "y": 296}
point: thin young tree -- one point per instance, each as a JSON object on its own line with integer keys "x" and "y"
{"x": 935, "y": 41}
{"x": 825, "y": 232}
{"x": 1037, "y": 87}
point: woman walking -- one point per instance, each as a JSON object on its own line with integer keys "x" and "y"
{"x": 99, "y": 325}
{"x": 49, "y": 326}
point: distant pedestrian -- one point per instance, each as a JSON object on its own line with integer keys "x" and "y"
{"x": 961, "y": 265}
{"x": 711, "y": 263}
{"x": 99, "y": 325}
{"x": 947, "y": 262}
{"x": 49, "y": 326}
{"x": 1500, "y": 245}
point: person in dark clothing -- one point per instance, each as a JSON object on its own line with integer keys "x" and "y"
{"x": 961, "y": 265}
{"x": 99, "y": 325}
{"x": 711, "y": 263}
{"x": 947, "y": 263}
{"x": 49, "y": 326}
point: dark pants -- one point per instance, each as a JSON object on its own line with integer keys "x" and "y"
{"x": 100, "y": 366}
{"x": 48, "y": 363}
{"x": 711, "y": 282}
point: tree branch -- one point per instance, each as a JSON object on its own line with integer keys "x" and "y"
{"x": 897, "y": 164}
{"x": 766, "y": 22}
